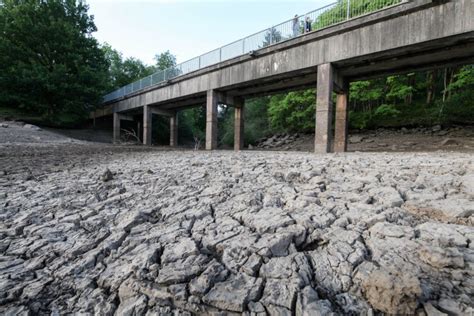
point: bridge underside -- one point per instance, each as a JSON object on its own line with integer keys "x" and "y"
{"x": 327, "y": 77}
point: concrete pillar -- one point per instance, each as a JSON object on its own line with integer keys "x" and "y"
{"x": 239, "y": 123}
{"x": 211, "y": 119}
{"x": 140, "y": 131}
{"x": 342, "y": 122}
{"x": 322, "y": 142}
{"x": 147, "y": 115}
{"x": 174, "y": 130}
{"x": 116, "y": 128}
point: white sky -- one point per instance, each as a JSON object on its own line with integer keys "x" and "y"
{"x": 188, "y": 28}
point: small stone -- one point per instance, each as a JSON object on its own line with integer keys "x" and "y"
{"x": 391, "y": 291}
{"x": 308, "y": 303}
{"x": 467, "y": 184}
{"x": 256, "y": 307}
{"x": 442, "y": 257}
{"x": 235, "y": 293}
{"x": 432, "y": 311}
{"x": 436, "y": 128}
{"x": 252, "y": 265}
{"x": 133, "y": 306}
{"x": 213, "y": 274}
{"x": 449, "y": 142}
{"x": 356, "y": 139}
{"x": 32, "y": 127}
{"x": 451, "y": 306}
{"x": 107, "y": 175}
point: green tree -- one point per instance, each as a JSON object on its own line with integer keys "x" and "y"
{"x": 400, "y": 88}
{"x": 49, "y": 62}
{"x": 294, "y": 111}
{"x": 123, "y": 72}
{"x": 165, "y": 60}
{"x": 463, "y": 79}
{"x": 271, "y": 36}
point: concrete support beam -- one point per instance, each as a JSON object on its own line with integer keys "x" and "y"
{"x": 213, "y": 99}
{"x": 239, "y": 123}
{"x": 324, "y": 109}
{"x": 342, "y": 122}
{"x": 126, "y": 117}
{"x": 147, "y": 115}
{"x": 162, "y": 112}
{"x": 174, "y": 130}
{"x": 116, "y": 128}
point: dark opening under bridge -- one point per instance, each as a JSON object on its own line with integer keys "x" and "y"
{"x": 408, "y": 36}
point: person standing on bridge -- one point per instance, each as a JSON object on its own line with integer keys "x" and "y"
{"x": 308, "y": 27}
{"x": 296, "y": 26}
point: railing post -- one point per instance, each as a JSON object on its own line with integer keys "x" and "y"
{"x": 348, "y": 9}
{"x": 243, "y": 46}
{"x": 271, "y": 35}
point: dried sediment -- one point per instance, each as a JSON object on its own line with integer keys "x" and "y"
{"x": 256, "y": 233}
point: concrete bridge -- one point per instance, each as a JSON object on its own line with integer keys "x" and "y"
{"x": 411, "y": 36}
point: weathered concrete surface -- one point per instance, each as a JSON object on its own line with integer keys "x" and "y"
{"x": 239, "y": 105}
{"x": 324, "y": 109}
{"x": 342, "y": 122}
{"x": 147, "y": 127}
{"x": 276, "y": 233}
{"x": 174, "y": 130}
{"x": 213, "y": 98}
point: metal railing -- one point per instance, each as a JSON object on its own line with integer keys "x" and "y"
{"x": 328, "y": 15}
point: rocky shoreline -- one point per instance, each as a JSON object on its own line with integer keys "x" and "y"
{"x": 112, "y": 230}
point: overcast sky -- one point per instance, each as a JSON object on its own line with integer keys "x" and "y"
{"x": 188, "y": 28}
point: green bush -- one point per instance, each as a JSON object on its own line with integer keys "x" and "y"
{"x": 386, "y": 111}
{"x": 360, "y": 120}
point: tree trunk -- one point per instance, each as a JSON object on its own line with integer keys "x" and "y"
{"x": 430, "y": 88}
{"x": 445, "y": 81}
{"x": 451, "y": 78}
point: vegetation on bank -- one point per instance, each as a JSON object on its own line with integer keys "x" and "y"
{"x": 54, "y": 72}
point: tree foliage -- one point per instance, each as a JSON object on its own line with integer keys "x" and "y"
{"x": 294, "y": 111}
{"x": 49, "y": 62}
{"x": 165, "y": 60}
{"x": 124, "y": 71}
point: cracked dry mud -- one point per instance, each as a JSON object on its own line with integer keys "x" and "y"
{"x": 221, "y": 233}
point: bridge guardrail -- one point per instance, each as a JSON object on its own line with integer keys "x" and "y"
{"x": 340, "y": 11}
